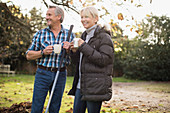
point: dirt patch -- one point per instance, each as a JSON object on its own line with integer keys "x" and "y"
{"x": 142, "y": 96}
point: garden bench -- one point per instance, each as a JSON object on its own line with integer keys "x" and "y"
{"x": 5, "y": 69}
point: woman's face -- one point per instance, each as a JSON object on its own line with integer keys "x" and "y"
{"x": 88, "y": 21}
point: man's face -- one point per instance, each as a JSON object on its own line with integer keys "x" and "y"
{"x": 51, "y": 18}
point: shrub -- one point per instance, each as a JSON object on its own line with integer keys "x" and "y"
{"x": 147, "y": 56}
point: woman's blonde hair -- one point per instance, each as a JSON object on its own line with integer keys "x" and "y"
{"x": 87, "y": 11}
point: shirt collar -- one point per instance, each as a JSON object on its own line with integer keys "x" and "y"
{"x": 62, "y": 28}
{"x": 91, "y": 29}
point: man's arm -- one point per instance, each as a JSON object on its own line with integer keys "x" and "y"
{"x": 32, "y": 55}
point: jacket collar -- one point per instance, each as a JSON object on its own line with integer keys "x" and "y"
{"x": 97, "y": 31}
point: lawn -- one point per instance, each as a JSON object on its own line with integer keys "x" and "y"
{"x": 17, "y": 89}
{"x": 20, "y": 89}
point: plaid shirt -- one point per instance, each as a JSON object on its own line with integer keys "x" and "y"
{"x": 44, "y": 38}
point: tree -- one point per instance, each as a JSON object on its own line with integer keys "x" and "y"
{"x": 148, "y": 55}
{"x": 15, "y": 33}
{"x": 37, "y": 22}
{"x": 105, "y": 7}
{"x": 76, "y": 5}
{"x": 156, "y": 30}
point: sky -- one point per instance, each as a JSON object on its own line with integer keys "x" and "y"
{"x": 157, "y": 7}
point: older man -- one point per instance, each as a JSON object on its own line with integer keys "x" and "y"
{"x": 48, "y": 62}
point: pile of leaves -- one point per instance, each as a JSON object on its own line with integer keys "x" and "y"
{"x": 23, "y": 107}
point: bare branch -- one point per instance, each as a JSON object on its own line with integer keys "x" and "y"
{"x": 45, "y": 3}
{"x": 65, "y": 5}
{"x": 150, "y": 1}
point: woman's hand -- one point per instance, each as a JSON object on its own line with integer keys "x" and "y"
{"x": 72, "y": 47}
{"x": 81, "y": 41}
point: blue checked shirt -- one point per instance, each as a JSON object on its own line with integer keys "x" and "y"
{"x": 44, "y": 38}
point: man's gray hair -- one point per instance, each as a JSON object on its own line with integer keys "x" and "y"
{"x": 58, "y": 11}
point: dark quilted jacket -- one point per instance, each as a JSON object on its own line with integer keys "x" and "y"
{"x": 96, "y": 68}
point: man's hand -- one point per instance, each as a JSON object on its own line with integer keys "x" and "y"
{"x": 48, "y": 50}
{"x": 66, "y": 45}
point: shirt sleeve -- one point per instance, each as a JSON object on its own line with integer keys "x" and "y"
{"x": 35, "y": 43}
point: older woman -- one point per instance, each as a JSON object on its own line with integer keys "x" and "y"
{"x": 94, "y": 63}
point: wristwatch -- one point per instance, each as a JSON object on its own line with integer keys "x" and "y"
{"x": 42, "y": 53}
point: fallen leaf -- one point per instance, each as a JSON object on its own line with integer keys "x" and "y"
{"x": 135, "y": 106}
{"x": 70, "y": 110}
{"x": 143, "y": 105}
{"x": 121, "y": 100}
{"x": 120, "y": 16}
{"x": 107, "y": 105}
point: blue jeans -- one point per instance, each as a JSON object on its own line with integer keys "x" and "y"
{"x": 42, "y": 84}
{"x": 80, "y": 106}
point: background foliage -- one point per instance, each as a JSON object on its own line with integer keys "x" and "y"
{"x": 146, "y": 57}
{"x": 16, "y": 31}
{"x": 14, "y": 34}
{"x": 143, "y": 57}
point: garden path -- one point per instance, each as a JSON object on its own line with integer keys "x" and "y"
{"x": 141, "y": 96}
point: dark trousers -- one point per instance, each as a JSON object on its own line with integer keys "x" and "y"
{"x": 80, "y": 106}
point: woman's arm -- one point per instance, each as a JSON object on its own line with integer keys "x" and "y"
{"x": 101, "y": 56}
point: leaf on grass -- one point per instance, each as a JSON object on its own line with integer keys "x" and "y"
{"x": 107, "y": 105}
{"x": 8, "y": 99}
{"x": 103, "y": 110}
{"x": 70, "y": 110}
{"x": 70, "y": 97}
{"x": 143, "y": 105}
{"x": 140, "y": 100}
{"x": 135, "y": 106}
{"x": 15, "y": 92}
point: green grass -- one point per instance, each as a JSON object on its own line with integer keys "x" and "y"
{"x": 122, "y": 79}
{"x": 15, "y": 89}
{"x": 19, "y": 89}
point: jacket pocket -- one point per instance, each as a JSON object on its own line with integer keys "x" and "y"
{"x": 95, "y": 84}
